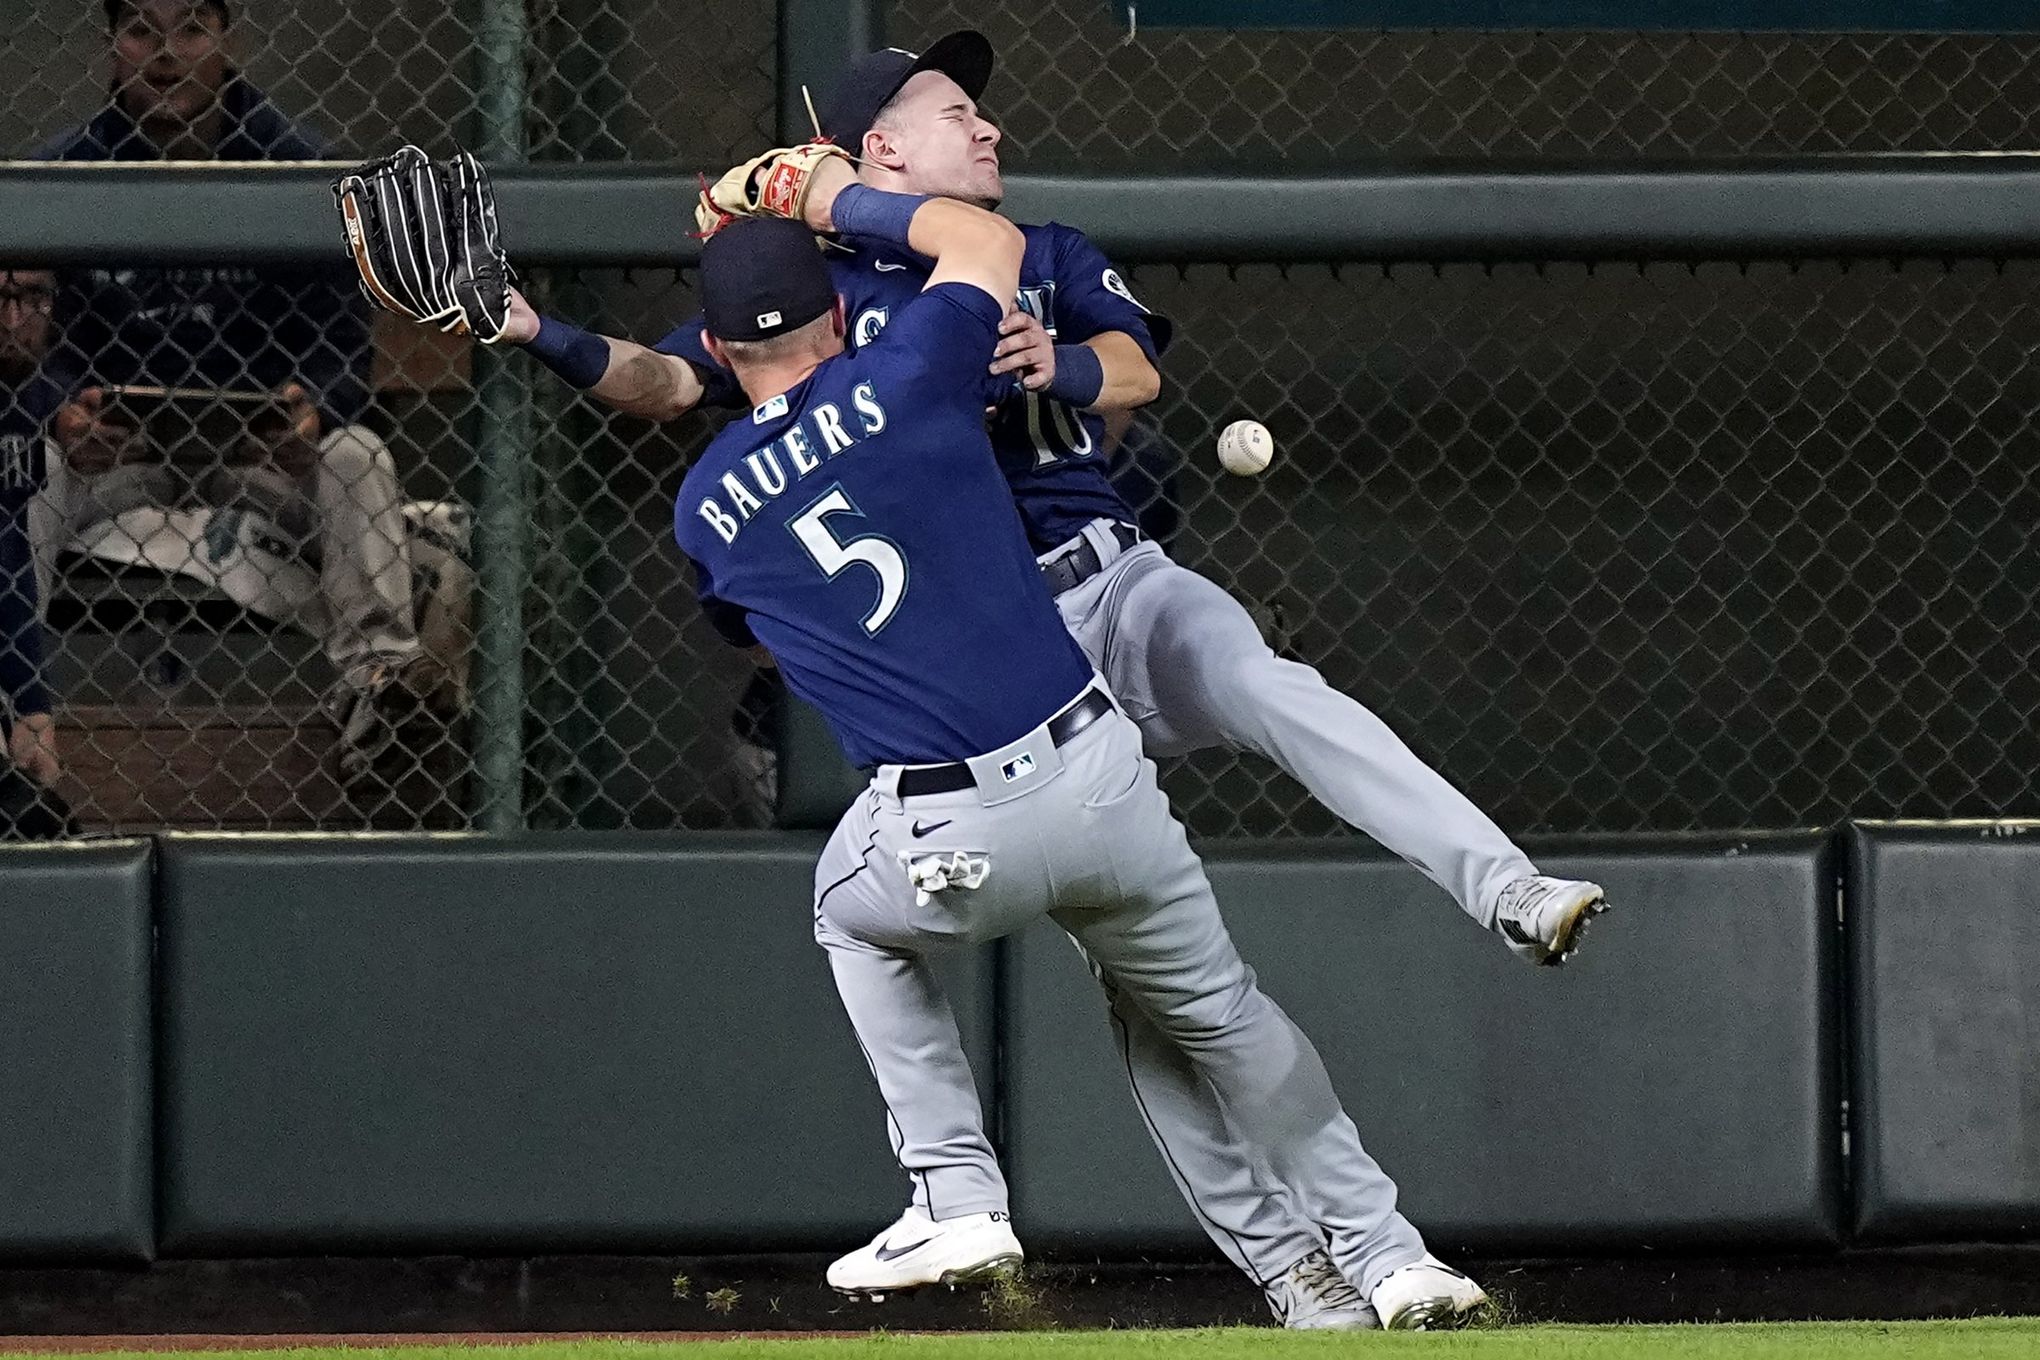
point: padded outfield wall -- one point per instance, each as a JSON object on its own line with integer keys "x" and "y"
{"x": 414, "y": 1045}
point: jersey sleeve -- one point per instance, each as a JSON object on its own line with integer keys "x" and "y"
{"x": 1091, "y": 298}
{"x": 946, "y": 334}
{"x": 719, "y": 386}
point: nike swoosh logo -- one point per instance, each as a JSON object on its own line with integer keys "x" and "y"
{"x": 894, "y": 1253}
{"x": 882, "y": 267}
{"x": 920, "y": 830}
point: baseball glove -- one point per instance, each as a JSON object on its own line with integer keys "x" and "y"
{"x": 425, "y": 240}
{"x": 775, "y": 184}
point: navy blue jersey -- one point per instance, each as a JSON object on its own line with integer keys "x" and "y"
{"x": 858, "y": 527}
{"x": 1048, "y": 451}
{"x": 25, "y": 409}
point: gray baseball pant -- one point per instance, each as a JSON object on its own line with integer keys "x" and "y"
{"x": 1190, "y": 666}
{"x": 1088, "y": 840}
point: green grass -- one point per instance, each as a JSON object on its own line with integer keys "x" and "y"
{"x": 1979, "y": 1339}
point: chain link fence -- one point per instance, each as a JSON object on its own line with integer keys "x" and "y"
{"x": 607, "y": 79}
{"x": 1623, "y": 547}
{"x": 633, "y": 80}
{"x": 1633, "y": 547}
{"x": 1075, "y": 92}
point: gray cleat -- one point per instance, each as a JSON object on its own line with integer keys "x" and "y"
{"x": 1314, "y": 1297}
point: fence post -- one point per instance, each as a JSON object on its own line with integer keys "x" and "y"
{"x": 817, "y": 39}
{"x": 503, "y": 446}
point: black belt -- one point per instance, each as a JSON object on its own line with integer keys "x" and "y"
{"x": 1072, "y": 569}
{"x": 916, "y": 780}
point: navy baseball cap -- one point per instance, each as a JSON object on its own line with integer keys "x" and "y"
{"x": 761, "y": 277}
{"x": 873, "y": 79}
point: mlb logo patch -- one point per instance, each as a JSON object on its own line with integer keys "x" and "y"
{"x": 1019, "y": 767}
{"x": 767, "y": 319}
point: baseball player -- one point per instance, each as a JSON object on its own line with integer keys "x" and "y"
{"x": 1186, "y": 657}
{"x": 857, "y": 526}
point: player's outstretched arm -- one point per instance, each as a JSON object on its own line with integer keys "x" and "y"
{"x": 619, "y": 373}
{"x": 423, "y": 238}
{"x": 816, "y": 184}
{"x": 967, "y": 244}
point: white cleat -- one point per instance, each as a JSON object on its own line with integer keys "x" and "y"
{"x": 1543, "y": 918}
{"x": 917, "y": 1251}
{"x": 1315, "y": 1297}
{"x": 1427, "y": 1296}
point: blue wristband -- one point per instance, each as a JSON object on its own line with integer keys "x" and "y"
{"x": 569, "y": 351}
{"x": 1079, "y": 375}
{"x": 863, "y": 211}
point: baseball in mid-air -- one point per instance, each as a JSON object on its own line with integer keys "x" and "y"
{"x": 1245, "y": 447}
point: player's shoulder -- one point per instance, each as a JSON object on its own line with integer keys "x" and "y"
{"x": 703, "y": 488}
{"x": 726, "y": 446}
{"x": 1054, "y": 249}
{"x": 867, "y": 261}
{"x": 1058, "y": 237}
{"x": 708, "y": 465}
{"x": 1049, "y": 231}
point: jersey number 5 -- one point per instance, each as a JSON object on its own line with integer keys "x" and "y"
{"x": 833, "y": 555}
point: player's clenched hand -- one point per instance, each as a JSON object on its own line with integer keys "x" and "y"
{"x": 1024, "y": 348}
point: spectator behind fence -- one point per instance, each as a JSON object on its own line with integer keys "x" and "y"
{"x": 27, "y": 398}
{"x": 320, "y": 486}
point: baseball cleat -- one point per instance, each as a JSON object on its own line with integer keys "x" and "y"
{"x": 1427, "y": 1296}
{"x": 1315, "y": 1297}
{"x": 918, "y": 1251}
{"x": 1542, "y": 919}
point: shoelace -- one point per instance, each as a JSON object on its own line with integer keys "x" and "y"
{"x": 1523, "y": 897}
{"x": 1316, "y": 1276}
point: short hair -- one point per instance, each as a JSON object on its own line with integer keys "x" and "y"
{"x": 812, "y": 335}
{"x": 116, "y": 8}
{"x": 888, "y": 112}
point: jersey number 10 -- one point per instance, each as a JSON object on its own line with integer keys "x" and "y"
{"x": 1056, "y": 431}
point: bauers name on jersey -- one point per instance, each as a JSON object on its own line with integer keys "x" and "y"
{"x": 819, "y": 435}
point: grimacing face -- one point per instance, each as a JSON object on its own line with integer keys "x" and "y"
{"x": 169, "y": 61}
{"x": 933, "y": 135}
{"x": 26, "y": 298}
